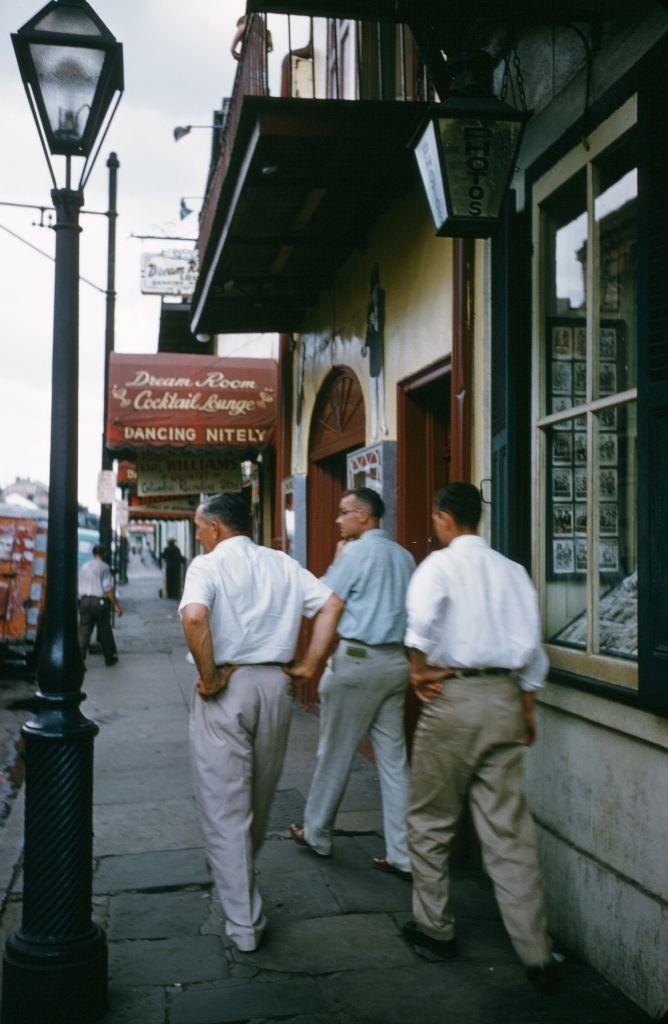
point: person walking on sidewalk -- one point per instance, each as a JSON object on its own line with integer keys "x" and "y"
{"x": 241, "y": 608}
{"x": 97, "y": 596}
{"x": 364, "y": 687}
{"x": 476, "y": 660}
{"x": 173, "y": 560}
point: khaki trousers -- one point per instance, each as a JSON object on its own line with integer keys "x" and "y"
{"x": 237, "y": 745}
{"x": 469, "y": 742}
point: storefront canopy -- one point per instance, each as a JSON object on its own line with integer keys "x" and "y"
{"x": 172, "y": 402}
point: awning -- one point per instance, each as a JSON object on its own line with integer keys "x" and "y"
{"x": 190, "y": 403}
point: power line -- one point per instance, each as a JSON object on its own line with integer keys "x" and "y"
{"x": 48, "y": 255}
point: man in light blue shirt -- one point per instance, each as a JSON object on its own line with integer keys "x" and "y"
{"x": 364, "y": 686}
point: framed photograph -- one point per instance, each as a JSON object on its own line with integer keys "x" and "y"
{"x": 562, "y": 342}
{"x": 607, "y": 484}
{"x": 607, "y": 450}
{"x": 608, "y": 343}
{"x": 581, "y": 518}
{"x": 563, "y": 556}
{"x": 580, "y": 480}
{"x": 579, "y": 379}
{"x": 608, "y": 556}
{"x": 580, "y": 449}
{"x": 607, "y": 419}
{"x": 607, "y": 378}
{"x": 579, "y": 342}
{"x": 580, "y": 554}
{"x": 608, "y": 518}
{"x": 560, "y": 403}
{"x": 562, "y": 520}
{"x": 562, "y": 378}
{"x": 562, "y": 449}
{"x": 562, "y": 484}
{"x": 580, "y": 422}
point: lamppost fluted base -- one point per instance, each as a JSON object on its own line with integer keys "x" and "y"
{"x": 55, "y": 963}
{"x": 64, "y": 987}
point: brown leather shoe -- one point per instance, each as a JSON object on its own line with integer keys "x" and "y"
{"x": 297, "y": 833}
{"x": 380, "y": 864}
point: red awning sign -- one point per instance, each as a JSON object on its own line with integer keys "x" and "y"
{"x": 175, "y": 401}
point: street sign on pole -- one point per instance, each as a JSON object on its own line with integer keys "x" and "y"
{"x": 106, "y": 486}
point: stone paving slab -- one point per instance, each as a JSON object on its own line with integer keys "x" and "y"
{"x": 144, "y": 827}
{"x": 297, "y": 896}
{"x": 135, "y": 1005}
{"x": 246, "y": 1002}
{"x": 326, "y": 944}
{"x": 157, "y": 915}
{"x": 152, "y": 753}
{"x": 164, "y": 869}
{"x": 135, "y": 786}
{"x": 168, "y": 961}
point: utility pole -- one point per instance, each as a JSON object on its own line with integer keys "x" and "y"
{"x": 109, "y": 337}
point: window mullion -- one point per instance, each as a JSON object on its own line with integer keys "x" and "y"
{"x": 592, "y": 278}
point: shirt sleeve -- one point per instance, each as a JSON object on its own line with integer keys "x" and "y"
{"x": 106, "y": 580}
{"x": 198, "y": 587}
{"x": 315, "y": 593}
{"x": 343, "y": 574}
{"x": 425, "y": 598}
{"x": 531, "y": 675}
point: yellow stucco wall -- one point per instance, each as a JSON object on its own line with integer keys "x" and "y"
{"x": 416, "y": 275}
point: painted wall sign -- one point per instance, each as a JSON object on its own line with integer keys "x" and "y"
{"x": 175, "y": 401}
{"x": 171, "y": 272}
{"x": 187, "y": 474}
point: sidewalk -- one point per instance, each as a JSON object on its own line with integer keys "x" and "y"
{"x": 333, "y": 952}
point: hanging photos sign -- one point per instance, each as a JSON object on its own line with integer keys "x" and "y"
{"x": 187, "y": 474}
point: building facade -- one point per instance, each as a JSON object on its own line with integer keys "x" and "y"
{"x": 534, "y": 364}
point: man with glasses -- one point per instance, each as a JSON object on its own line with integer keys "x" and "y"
{"x": 364, "y": 686}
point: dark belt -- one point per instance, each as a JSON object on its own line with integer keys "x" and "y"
{"x": 253, "y": 664}
{"x": 353, "y": 640}
{"x": 493, "y": 671}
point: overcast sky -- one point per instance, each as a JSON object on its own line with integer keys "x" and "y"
{"x": 177, "y": 69}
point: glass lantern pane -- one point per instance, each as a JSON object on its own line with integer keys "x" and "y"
{"x": 68, "y": 78}
{"x": 479, "y": 155}
{"x": 70, "y": 20}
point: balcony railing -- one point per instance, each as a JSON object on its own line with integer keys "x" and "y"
{"x": 325, "y": 58}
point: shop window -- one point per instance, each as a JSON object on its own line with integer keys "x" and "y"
{"x": 585, "y": 530}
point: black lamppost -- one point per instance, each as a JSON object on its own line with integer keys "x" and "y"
{"x": 55, "y": 963}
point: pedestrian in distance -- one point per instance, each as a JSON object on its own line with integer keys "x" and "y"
{"x": 364, "y": 687}
{"x": 476, "y": 660}
{"x": 97, "y": 596}
{"x": 242, "y": 608}
{"x": 173, "y": 560}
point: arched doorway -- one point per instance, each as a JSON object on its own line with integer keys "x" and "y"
{"x": 338, "y": 426}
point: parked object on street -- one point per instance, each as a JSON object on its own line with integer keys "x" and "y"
{"x": 242, "y": 607}
{"x": 476, "y": 660}
{"x": 97, "y": 596}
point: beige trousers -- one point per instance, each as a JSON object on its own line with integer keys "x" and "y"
{"x": 237, "y": 746}
{"x": 468, "y": 742}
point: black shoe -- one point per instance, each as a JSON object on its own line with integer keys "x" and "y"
{"x": 111, "y": 661}
{"x": 436, "y": 950}
{"x": 544, "y": 977}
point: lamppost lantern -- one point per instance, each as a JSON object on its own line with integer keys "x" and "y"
{"x": 467, "y": 149}
{"x": 72, "y": 67}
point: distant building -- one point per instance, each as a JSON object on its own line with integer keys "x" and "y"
{"x": 33, "y": 490}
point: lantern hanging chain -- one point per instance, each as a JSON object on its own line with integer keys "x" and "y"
{"x": 520, "y": 78}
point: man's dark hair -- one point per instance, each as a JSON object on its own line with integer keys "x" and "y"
{"x": 369, "y": 498}
{"x": 98, "y": 551}
{"x": 462, "y": 501}
{"x": 230, "y": 509}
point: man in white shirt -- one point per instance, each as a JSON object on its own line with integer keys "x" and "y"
{"x": 97, "y": 595}
{"x": 476, "y": 660}
{"x": 242, "y": 607}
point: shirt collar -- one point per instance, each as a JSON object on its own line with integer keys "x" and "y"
{"x": 372, "y": 534}
{"x": 468, "y": 540}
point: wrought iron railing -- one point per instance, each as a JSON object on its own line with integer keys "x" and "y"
{"x": 339, "y": 59}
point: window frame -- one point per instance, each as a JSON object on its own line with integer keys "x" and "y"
{"x": 593, "y": 666}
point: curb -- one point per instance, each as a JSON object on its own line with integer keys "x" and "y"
{"x": 11, "y": 847}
